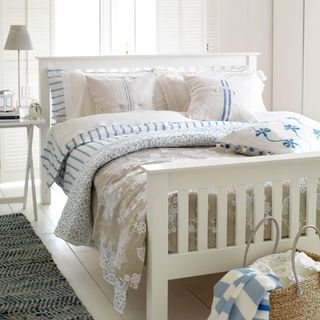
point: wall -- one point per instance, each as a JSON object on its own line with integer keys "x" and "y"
{"x": 1, "y": 46}
{"x": 247, "y": 25}
{"x": 288, "y": 55}
{"x": 296, "y": 56}
{"x": 311, "y": 60}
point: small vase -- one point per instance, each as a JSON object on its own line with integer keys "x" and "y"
{"x": 25, "y": 102}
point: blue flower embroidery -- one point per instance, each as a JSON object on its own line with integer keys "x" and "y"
{"x": 289, "y": 143}
{"x": 262, "y": 131}
{"x": 317, "y": 133}
{"x": 291, "y": 127}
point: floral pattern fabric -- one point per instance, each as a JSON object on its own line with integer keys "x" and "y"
{"x": 281, "y": 133}
{"x": 106, "y": 207}
{"x": 76, "y": 223}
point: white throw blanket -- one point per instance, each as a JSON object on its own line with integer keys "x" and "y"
{"x": 280, "y": 264}
{"x": 243, "y": 294}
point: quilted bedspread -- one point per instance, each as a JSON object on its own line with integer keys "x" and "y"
{"x": 106, "y": 207}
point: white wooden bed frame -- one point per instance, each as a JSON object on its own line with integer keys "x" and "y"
{"x": 165, "y": 178}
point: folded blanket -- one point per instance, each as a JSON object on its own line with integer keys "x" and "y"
{"x": 243, "y": 294}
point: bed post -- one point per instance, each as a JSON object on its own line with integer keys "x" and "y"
{"x": 157, "y": 263}
{"x": 252, "y": 61}
{"x": 45, "y": 195}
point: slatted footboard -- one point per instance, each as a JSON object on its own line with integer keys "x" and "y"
{"x": 221, "y": 174}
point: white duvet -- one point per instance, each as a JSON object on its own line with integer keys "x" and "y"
{"x": 67, "y": 130}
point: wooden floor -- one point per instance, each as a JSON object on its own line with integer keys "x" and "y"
{"x": 189, "y": 299}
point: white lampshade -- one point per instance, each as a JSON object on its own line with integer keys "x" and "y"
{"x": 18, "y": 39}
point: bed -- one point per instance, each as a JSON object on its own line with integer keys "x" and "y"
{"x": 171, "y": 190}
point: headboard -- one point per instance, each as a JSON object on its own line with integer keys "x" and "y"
{"x": 128, "y": 63}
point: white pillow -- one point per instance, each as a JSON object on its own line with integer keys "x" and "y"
{"x": 77, "y": 98}
{"x": 159, "y": 99}
{"x": 175, "y": 92}
{"x": 122, "y": 94}
{"x": 78, "y": 101}
{"x": 283, "y": 133}
{"x": 226, "y": 99}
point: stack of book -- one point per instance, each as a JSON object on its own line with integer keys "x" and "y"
{"x": 9, "y": 115}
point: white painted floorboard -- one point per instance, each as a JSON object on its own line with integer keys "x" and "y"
{"x": 189, "y": 299}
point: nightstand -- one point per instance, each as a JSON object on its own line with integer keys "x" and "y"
{"x": 29, "y": 124}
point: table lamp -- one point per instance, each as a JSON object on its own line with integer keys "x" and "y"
{"x": 18, "y": 39}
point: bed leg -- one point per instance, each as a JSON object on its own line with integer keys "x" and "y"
{"x": 45, "y": 192}
{"x": 157, "y": 296}
{"x": 157, "y": 263}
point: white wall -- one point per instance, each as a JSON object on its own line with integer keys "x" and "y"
{"x": 288, "y": 55}
{"x": 1, "y": 46}
{"x": 247, "y": 25}
{"x": 311, "y": 106}
{"x": 296, "y": 56}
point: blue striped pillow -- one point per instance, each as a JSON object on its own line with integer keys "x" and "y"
{"x": 225, "y": 99}
{"x": 58, "y": 108}
{"x": 57, "y": 91}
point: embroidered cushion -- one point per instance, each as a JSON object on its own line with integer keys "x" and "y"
{"x": 122, "y": 94}
{"x": 70, "y": 97}
{"x": 228, "y": 98}
{"x": 281, "y": 133}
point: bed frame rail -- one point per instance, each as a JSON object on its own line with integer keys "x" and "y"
{"x": 200, "y": 176}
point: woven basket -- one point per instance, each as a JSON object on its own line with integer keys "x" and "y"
{"x": 300, "y": 301}
{"x": 285, "y": 304}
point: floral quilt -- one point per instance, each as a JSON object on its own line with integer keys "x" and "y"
{"x": 106, "y": 207}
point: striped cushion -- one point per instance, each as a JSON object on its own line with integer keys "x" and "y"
{"x": 226, "y": 99}
{"x": 122, "y": 94}
{"x": 58, "y": 108}
{"x": 58, "y": 94}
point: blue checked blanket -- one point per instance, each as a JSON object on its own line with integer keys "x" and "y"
{"x": 243, "y": 294}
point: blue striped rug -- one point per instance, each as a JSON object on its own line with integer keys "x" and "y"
{"x": 31, "y": 285}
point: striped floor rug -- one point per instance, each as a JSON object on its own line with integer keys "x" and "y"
{"x": 31, "y": 285}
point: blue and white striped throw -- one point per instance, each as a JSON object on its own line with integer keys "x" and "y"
{"x": 64, "y": 161}
{"x": 58, "y": 108}
{"x": 243, "y": 294}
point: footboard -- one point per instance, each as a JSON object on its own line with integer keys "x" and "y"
{"x": 221, "y": 174}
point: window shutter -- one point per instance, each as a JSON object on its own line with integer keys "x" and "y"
{"x": 213, "y": 23}
{"x": 36, "y": 14}
{"x": 181, "y": 26}
{"x": 14, "y": 146}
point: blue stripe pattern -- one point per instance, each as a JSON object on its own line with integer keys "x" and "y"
{"x": 129, "y": 95}
{"x": 243, "y": 294}
{"x": 227, "y": 100}
{"x": 229, "y": 96}
{"x": 65, "y": 161}
{"x": 58, "y": 109}
{"x": 224, "y": 101}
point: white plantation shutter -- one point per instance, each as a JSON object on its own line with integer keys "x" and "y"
{"x": 14, "y": 147}
{"x": 182, "y": 26}
{"x": 213, "y": 25}
{"x": 36, "y": 14}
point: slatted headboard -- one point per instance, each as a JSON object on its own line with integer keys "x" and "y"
{"x": 127, "y": 63}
